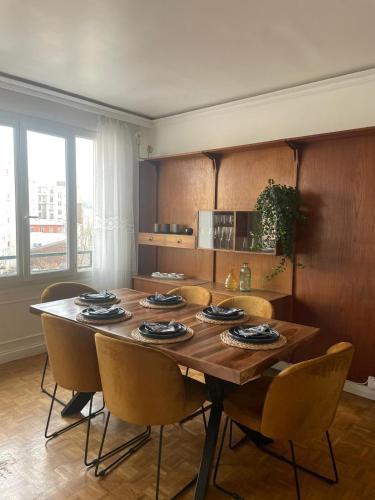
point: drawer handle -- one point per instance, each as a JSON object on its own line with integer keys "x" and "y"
{"x": 151, "y": 238}
{"x": 179, "y": 241}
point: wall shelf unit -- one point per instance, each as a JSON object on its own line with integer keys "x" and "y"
{"x": 167, "y": 240}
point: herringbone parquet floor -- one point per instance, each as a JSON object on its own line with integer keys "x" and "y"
{"x": 31, "y": 469}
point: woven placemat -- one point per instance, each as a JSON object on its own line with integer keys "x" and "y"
{"x": 146, "y": 303}
{"x": 204, "y": 319}
{"x": 88, "y": 321}
{"x": 229, "y": 340}
{"x": 136, "y": 334}
{"x": 80, "y": 302}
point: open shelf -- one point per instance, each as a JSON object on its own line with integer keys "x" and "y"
{"x": 167, "y": 240}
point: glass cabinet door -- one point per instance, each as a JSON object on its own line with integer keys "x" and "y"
{"x": 216, "y": 230}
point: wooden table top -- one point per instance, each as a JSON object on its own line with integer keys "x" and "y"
{"x": 205, "y": 351}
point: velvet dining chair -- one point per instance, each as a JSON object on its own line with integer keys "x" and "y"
{"x": 59, "y": 291}
{"x": 298, "y": 404}
{"x": 143, "y": 386}
{"x": 193, "y": 294}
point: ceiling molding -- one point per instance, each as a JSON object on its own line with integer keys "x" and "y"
{"x": 344, "y": 81}
{"x": 77, "y": 102}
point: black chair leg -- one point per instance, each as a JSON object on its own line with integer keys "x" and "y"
{"x": 42, "y": 388}
{"x": 187, "y": 372}
{"x": 227, "y": 492}
{"x": 138, "y": 441}
{"x": 295, "y": 470}
{"x": 336, "y": 480}
{"x": 159, "y": 462}
{"x": 68, "y": 427}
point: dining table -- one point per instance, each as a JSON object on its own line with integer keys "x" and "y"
{"x": 224, "y": 367}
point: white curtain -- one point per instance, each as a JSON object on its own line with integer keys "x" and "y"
{"x": 114, "y": 256}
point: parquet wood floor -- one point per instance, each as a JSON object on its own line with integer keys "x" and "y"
{"x": 32, "y": 469}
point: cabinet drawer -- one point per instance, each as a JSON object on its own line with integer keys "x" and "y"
{"x": 151, "y": 239}
{"x": 180, "y": 241}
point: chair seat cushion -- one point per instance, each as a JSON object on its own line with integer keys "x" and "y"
{"x": 245, "y": 404}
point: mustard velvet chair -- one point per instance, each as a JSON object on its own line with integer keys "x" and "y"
{"x": 254, "y": 306}
{"x": 193, "y": 294}
{"x": 299, "y": 404}
{"x": 74, "y": 365}
{"x": 143, "y": 386}
{"x": 59, "y": 291}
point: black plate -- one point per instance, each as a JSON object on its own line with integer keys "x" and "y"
{"x": 181, "y": 331}
{"x": 177, "y": 300}
{"x": 90, "y": 297}
{"x": 207, "y": 312}
{"x": 113, "y": 315}
{"x": 233, "y": 332}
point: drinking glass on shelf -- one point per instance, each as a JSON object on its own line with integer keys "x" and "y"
{"x": 229, "y": 238}
{"x": 222, "y": 237}
{"x": 231, "y": 219}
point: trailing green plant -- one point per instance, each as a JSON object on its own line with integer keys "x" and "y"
{"x": 280, "y": 208}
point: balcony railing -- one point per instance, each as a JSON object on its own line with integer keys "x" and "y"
{"x": 52, "y": 254}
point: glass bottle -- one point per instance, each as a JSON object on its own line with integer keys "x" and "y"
{"x": 231, "y": 282}
{"x": 245, "y": 278}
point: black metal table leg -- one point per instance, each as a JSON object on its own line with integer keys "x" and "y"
{"x": 256, "y": 437}
{"x": 216, "y": 391}
{"x": 77, "y": 403}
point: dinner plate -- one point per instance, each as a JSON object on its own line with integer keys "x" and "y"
{"x": 175, "y": 301}
{"x": 110, "y": 315}
{"x": 225, "y": 317}
{"x": 154, "y": 335}
{"x": 259, "y": 339}
{"x": 98, "y": 298}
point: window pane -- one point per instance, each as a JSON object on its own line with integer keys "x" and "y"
{"x": 47, "y": 187}
{"x": 8, "y": 262}
{"x": 85, "y": 194}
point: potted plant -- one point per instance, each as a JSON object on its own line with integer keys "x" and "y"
{"x": 280, "y": 208}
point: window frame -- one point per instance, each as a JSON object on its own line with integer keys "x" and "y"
{"x": 21, "y": 124}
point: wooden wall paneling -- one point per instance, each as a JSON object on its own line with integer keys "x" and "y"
{"x": 185, "y": 186}
{"x": 243, "y": 175}
{"x": 336, "y": 289}
{"x": 147, "y": 256}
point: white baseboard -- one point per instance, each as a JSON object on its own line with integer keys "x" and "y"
{"x": 22, "y": 347}
{"x": 353, "y": 387}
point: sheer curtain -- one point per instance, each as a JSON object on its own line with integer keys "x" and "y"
{"x": 114, "y": 256}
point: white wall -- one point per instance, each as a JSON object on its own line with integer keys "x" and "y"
{"x": 335, "y": 104}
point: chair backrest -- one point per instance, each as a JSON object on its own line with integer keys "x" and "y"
{"x": 141, "y": 385}
{"x": 254, "y": 306}
{"x": 64, "y": 290}
{"x": 193, "y": 294}
{"x": 72, "y": 354}
{"x": 302, "y": 400}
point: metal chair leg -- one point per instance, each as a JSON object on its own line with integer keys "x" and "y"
{"x": 42, "y": 388}
{"x": 68, "y": 427}
{"x": 187, "y": 372}
{"x": 295, "y": 470}
{"x": 138, "y": 441}
{"x": 336, "y": 480}
{"x": 204, "y": 418}
{"x": 215, "y": 483}
{"x": 159, "y": 462}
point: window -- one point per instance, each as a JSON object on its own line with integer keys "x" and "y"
{"x": 46, "y": 199}
{"x": 8, "y": 242}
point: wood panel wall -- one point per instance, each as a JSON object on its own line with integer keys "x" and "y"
{"x": 243, "y": 175}
{"x": 336, "y": 290}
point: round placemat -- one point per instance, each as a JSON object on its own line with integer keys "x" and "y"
{"x": 204, "y": 319}
{"x": 229, "y": 340}
{"x": 81, "y": 302}
{"x": 136, "y": 334}
{"x": 82, "y": 319}
{"x": 146, "y": 303}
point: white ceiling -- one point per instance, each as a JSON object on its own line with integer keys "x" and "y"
{"x": 161, "y": 57}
